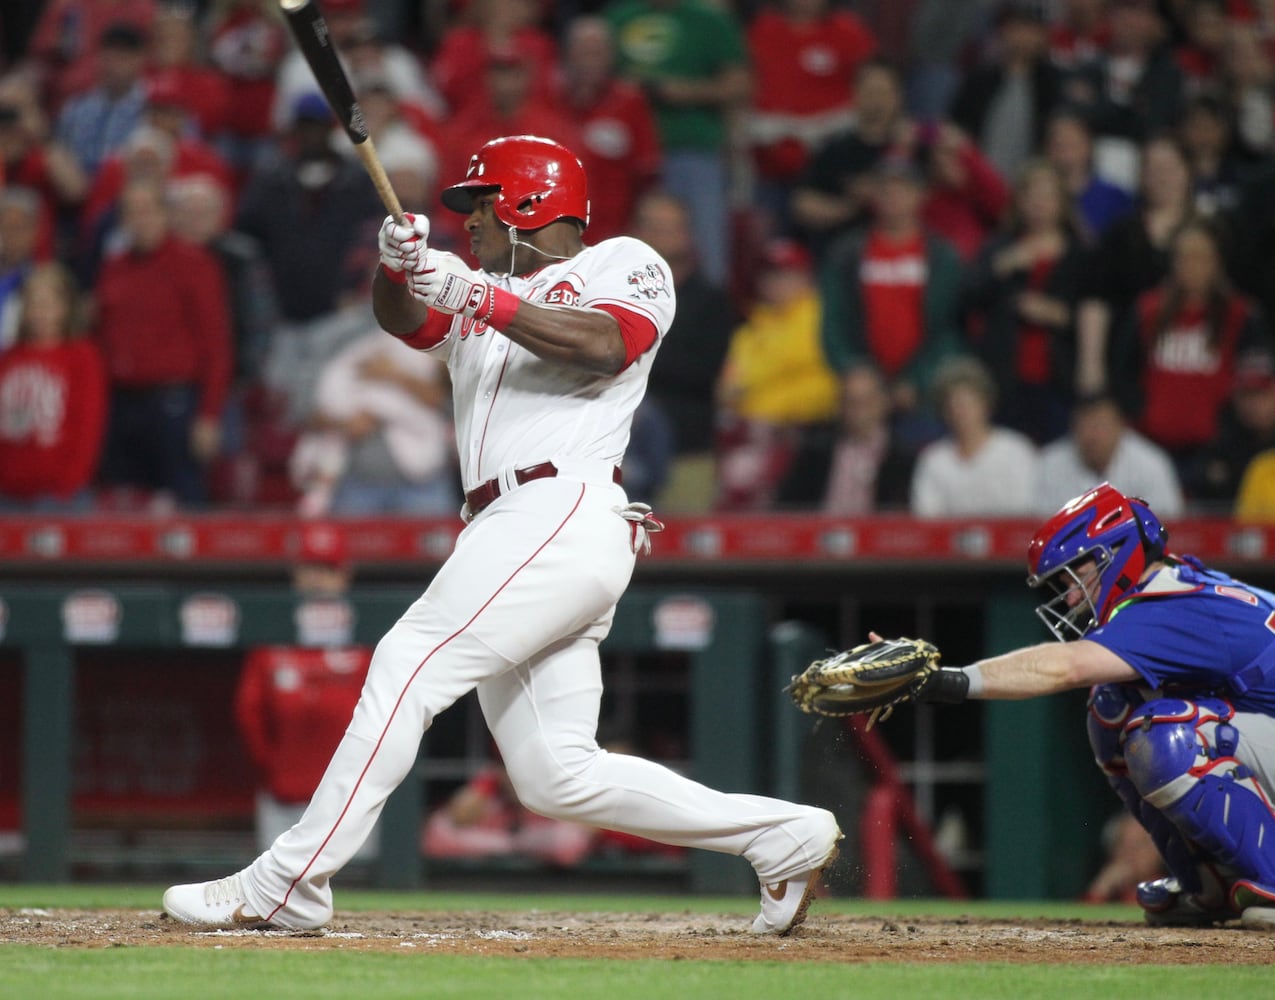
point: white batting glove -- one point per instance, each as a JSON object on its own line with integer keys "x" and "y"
{"x": 403, "y": 245}
{"x": 445, "y": 283}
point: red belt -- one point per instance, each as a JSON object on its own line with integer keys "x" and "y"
{"x": 481, "y": 497}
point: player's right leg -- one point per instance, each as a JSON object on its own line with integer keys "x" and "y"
{"x": 544, "y": 714}
{"x": 1193, "y": 893}
{"x": 1187, "y": 759}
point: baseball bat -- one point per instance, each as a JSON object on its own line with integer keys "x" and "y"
{"x": 308, "y": 27}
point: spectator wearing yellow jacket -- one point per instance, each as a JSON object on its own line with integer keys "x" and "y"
{"x": 775, "y": 381}
{"x": 1256, "y": 499}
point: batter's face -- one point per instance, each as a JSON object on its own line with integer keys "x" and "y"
{"x": 488, "y": 236}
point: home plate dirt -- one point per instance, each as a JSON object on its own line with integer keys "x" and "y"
{"x": 544, "y": 934}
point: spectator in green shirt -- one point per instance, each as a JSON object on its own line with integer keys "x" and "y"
{"x": 692, "y": 60}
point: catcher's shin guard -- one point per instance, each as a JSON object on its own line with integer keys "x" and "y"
{"x": 1180, "y": 756}
{"x": 1110, "y": 707}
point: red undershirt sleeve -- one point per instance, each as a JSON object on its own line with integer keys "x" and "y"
{"x": 637, "y": 332}
{"x": 429, "y": 334}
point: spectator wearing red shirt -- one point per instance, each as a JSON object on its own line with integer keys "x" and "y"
{"x": 246, "y": 43}
{"x": 892, "y": 296}
{"x": 507, "y": 104}
{"x": 492, "y": 25}
{"x": 52, "y": 401}
{"x": 967, "y": 199}
{"x": 175, "y": 65}
{"x": 65, "y": 45}
{"x": 164, "y": 328}
{"x": 1189, "y": 331}
{"x": 30, "y": 158}
{"x": 805, "y": 57}
{"x": 619, "y": 143}
{"x": 294, "y": 703}
{"x": 165, "y": 131}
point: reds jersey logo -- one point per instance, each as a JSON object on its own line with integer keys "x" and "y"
{"x": 648, "y": 282}
{"x": 562, "y": 294}
{"x": 475, "y": 326}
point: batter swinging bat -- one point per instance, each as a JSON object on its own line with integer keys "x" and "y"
{"x": 308, "y": 27}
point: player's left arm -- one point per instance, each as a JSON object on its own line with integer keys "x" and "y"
{"x": 578, "y": 337}
{"x": 1048, "y": 668}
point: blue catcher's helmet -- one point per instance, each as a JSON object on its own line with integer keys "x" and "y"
{"x": 1119, "y": 535}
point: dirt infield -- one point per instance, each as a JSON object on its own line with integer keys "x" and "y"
{"x": 543, "y": 934}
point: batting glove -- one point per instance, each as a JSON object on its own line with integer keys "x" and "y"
{"x": 402, "y": 245}
{"x": 445, "y": 283}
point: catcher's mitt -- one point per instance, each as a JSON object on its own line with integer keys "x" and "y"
{"x": 867, "y": 680}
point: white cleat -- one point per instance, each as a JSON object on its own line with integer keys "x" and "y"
{"x": 784, "y": 904}
{"x": 219, "y": 904}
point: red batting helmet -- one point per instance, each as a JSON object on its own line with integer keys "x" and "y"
{"x": 537, "y": 182}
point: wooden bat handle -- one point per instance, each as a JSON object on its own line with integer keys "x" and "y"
{"x": 372, "y": 164}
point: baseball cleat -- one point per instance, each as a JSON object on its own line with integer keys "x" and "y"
{"x": 784, "y": 904}
{"x": 219, "y": 904}
{"x": 1255, "y": 903}
{"x": 1164, "y": 904}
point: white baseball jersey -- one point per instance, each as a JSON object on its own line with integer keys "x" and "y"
{"x": 514, "y": 409}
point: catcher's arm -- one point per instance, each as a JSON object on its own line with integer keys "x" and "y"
{"x": 873, "y": 678}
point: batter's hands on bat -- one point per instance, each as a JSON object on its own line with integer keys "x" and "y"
{"x": 444, "y": 282}
{"x": 403, "y": 245}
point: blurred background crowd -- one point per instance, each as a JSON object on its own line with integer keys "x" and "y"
{"x": 953, "y": 257}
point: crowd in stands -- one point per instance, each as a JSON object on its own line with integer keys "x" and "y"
{"x": 952, "y": 257}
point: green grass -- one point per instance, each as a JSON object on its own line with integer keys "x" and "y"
{"x": 133, "y": 973}
{"x": 179, "y": 973}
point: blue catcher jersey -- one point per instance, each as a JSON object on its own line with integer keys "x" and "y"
{"x": 1190, "y": 627}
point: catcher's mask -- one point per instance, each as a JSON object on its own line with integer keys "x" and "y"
{"x": 536, "y": 180}
{"x": 1090, "y": 554}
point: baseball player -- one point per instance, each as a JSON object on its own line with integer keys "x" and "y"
{"x": 1182, "y": 712}
{"x": 549, "y": 345}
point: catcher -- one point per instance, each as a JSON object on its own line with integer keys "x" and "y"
{"x": 1181, "y": 660}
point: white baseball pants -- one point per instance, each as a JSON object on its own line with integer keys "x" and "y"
{"x": 518, "y": 612}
